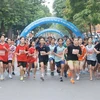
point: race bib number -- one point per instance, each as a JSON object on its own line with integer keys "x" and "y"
{"x": 21, "y": 51}
{"x": 41, "y": 52}
{"x": 60, "y": 53}
{"x": 75, "y": 51}
{"x": 91, "y": 52}
{"x": 2, "y": 53}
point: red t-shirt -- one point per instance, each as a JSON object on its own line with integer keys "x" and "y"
{"x": 3, "y": 52}
{"x": 32, "y": 59}
{"x": 23, "y": 56}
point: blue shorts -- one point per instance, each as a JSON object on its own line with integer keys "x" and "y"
{"x": 58, "y": 64}
{"x": 50, "y": 59}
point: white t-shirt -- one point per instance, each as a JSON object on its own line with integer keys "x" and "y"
{"x": 51, "y": 49}
{"x": 91, "y": 53}
{"x": 60, "y": 52}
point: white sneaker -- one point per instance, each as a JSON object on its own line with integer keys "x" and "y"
{"x": 24, "y": 75}
{"x": 91, "y": 79}
{"x": 2, "y": 77}
{"x": 10, "y": 76}
{"x": 78, "y": 78}
{"x": 21, "y": 78}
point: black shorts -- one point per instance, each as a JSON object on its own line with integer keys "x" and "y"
{"x": 32, "y": 65}
{"x": 9, "y": 61}
{"x": 98, "y": 58}
{"x": 44, "y": 60}
{"x": 4, "y": 62}
{"x": 1, "y": 61}
{"x": 90, "y": 62}
{"x": 21, "y": 63}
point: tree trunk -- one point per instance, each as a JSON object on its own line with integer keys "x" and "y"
{"x": 94, "y": 28}
{"x": 10, "y": 32}
{"x": 2, "y": 27}
{"x": 90, "y": 29}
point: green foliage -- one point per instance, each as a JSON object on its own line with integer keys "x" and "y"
{"x": 20, "y": 13}
{"x": 59, "y": 7}
{"x": 83, "y": 13}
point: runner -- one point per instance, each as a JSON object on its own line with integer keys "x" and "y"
{"x": 85, "y": 41}
{"x": 13, "y": 73}
{"x": 91, "y": 57}
{"x": 11, "y": 52}
{"x": 74, "y": 51}
{"x": 43, "y": 55}
{"x": 52, "y": 57}
{"x": 21, "y": 53}
{"x": 59, "y": 57}
{"x": 3, "y": 56}
{"x": 82, "y": 57}
{"x": 85, "y": 66}
{"x": 32, "y": 58}
{"x": 97, "y": 50}
{"x": 48, "y": 40}
{"x": 68, "y": 43}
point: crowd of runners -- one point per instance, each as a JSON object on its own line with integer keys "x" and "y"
{"x": 66, "y": 56}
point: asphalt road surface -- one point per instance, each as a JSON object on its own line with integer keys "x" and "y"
{"x": 50, "y": 89}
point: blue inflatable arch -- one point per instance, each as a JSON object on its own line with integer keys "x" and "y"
{"x": 45, "y": 20}
{"x": 49, "y": 30}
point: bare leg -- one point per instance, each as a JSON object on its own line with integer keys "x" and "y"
{"x": 90, "y": 70}
{"x": 42, "y": 70}
{"x": 35, "y": 68}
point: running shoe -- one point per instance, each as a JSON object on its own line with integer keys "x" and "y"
{"x": 21, "y": 78}
{"x": 42, "y": 78}
{"x": 13, "y": 73}
{"x": 61, "y": 79}
{"x": 24, "y": 75}
{"x": 91, "y": 79}
{"x": 78, "y": 78}
{"x": 58, "y": 71}
{"x": 2, "y": 77}
{"x": 10, "y": 76}
{"x": 72, "y": 81}
{"x": 52, "y": 73}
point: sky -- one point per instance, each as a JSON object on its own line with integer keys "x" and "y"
{"x": 49, "y": 3}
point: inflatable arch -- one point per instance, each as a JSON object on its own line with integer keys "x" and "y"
{"x": 45, "y": 20}
{"x": 49, "y": 30}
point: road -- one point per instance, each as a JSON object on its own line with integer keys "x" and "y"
{"x": 50, "y": 89}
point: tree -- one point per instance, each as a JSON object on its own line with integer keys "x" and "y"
{"x": 83, "y": 13}
{"x": 59, "y": 7}
{"x": 16, "y": 14}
